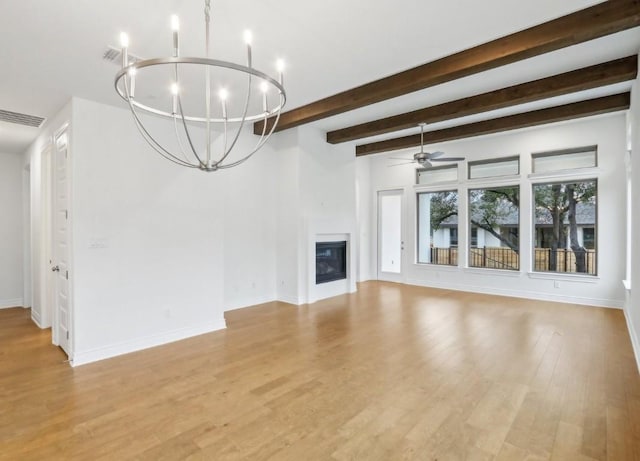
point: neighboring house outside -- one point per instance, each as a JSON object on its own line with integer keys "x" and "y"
{"x": 446, "y": 235}
{"x": 440, "y": 246}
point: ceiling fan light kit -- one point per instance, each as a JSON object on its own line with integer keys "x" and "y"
{"x": 186, "y": 153}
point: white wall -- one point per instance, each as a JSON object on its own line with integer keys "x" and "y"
{"x": 632, "y": 304}
{"x": 288, "y": 216}
{"x": 250, "y": 202}
{"x": 11, "y": 250}
{"x": 160, "y": 276}
{"x": 608, "y": 132}
{"x": 364, "y": 205}
{"x": 316, "y": 196}
{"x": 176, "y": 247}
{"x": 327, "y": 188}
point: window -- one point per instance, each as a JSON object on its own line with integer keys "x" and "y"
{"x": 436, "y": 175}
{"x": 494, "y": 167}
{"x": 589, "y": 238}
{"x": 438, "y": 228}
{"x": 490, "y": 211}
{"x": 453, "y": 236}
{"x": 565, "y": 227}
{"x": 568, "y": 159}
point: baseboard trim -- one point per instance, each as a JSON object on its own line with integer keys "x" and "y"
{"x": 250, "y": 303}
{"x": 635, "y": 344}
{"x": 126, "y": 347}
{"x": 289, "y": 299}
{"x": 597, "y": 302}
{"x": 9, "y": 303}
{"x": 35, "y": 316}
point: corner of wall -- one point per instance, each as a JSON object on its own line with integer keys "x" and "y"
{"x": 632, "y": 301}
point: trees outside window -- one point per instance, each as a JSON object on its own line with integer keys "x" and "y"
{"x": 438, "y": 228}
{"x": 494, "y": 220}
{"x": 565, "y": 223}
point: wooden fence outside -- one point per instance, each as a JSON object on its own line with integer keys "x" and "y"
{"x": 506, "y": 258}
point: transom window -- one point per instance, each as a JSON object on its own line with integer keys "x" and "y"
{"x": 495, "y": 167}
{"x": 437, "y": 175}
{"x": 567, "y": 159}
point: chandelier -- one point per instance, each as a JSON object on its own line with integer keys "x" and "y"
{"x": 264, "y": 97}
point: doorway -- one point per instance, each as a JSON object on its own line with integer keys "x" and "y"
{"x": 60, "y": 243}
{"x": 390, "y": 235}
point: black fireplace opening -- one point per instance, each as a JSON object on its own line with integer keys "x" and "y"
{"x": 331, "y": 261}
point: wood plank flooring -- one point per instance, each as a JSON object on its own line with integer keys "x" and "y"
{"x": 392, "y": 372}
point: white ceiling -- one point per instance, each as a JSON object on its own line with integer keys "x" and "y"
{"x": 52, "y": 49}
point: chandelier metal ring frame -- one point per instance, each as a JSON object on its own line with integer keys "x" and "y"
{"x": 125, "y": 86}
{"x": 123, "y": 91}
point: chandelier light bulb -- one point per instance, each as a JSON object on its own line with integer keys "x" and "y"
{"x": 174, "y": 98}
{"x": 264, "y": 87}
{"x": 248, "y": 37}
{"x": 223, "y": 94}
{"x": 124, "y": 40}
{"x": 280, "y": 65}
{"x": 175, "y": 23}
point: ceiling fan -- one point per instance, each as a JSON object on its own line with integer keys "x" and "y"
{"x": 423, "y": 158}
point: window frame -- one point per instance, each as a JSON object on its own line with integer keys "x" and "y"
{"x": 559, "y": 153}
{"x": 568, "y": 179}
{"x": 469, "y": 225}
{"x": 436, "y": 168}
{"x": 490, "y": 161}
{"x": 440, "y": 189}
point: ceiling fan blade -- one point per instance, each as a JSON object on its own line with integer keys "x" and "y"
{"x": 398, "y": 164}
{"x": 447, "y": 159}
{"x": 400, "y": 158}
{"x": 436, "y": 154}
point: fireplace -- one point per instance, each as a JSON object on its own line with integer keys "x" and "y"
{"x": 331, "y": 261}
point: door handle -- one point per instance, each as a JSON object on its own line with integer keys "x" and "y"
{"x": 55, "y": 269}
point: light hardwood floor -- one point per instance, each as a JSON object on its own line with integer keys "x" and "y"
{"x": 391, "y": 373}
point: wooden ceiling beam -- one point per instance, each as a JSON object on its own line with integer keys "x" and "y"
{"x": 527, "y": 119}
{"x": 597, "y": 21}
{"x": 609, "y": 73}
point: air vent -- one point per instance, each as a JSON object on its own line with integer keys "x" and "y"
{"x": 114, "y": 55}
{"x": 21, "y": 119}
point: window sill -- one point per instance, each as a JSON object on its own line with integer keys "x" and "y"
{"x": 492, "y": 272}
{"x": 627, "y": 284}
{"x": 561, "y": 276}
{"x": 438, "y": 267}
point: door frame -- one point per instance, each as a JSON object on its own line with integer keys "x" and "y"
{"x": 46, "y": 239}
{"x": 387, "y": 276}
{"x": 64, "y": 130}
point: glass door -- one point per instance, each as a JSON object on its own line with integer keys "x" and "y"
{"x": 390, "y": 235}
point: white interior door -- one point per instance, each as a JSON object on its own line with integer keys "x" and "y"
{"x": 390, "y": 235}
{"x": 60, "y": 260}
